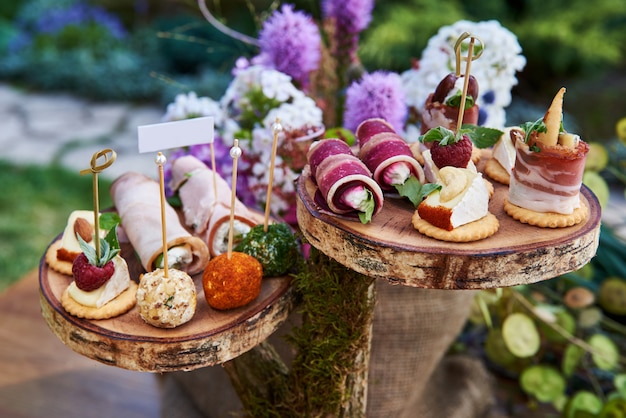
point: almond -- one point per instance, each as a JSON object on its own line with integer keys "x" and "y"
{"x": 83, "y": 228}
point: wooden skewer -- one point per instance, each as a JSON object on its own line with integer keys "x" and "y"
{"x": 160, "y": 162}
{"x": 276, "y": 128}
{"x": 235, "y": 153}
{"x": 470, "y": 52}
{"x": 109, "y": 157}
{"x": 212, "y": 148}
{"x": 470, "y": 57}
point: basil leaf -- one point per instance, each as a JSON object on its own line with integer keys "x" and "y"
{"x": 415, "y": 191}
{"x": 482, "y": 136}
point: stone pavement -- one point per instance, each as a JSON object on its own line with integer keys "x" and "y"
{"x": 40, "y": 128}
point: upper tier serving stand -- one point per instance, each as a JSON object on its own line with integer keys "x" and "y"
{"x": 390, "y": 248}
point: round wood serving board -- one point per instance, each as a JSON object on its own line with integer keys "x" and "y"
{"x": 211, "y": 337}
{"x": 390, "y": 248}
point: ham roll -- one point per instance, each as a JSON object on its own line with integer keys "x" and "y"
{"x": 547, "y": 179}
{"x": 345, "y": 184}
{"x": 137, "y": 200}
{"x": 206, "y": 212}
{"x": 387, "y": 155}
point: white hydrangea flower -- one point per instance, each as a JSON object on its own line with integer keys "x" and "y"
{"x": 186, "y": 106}
{"x": 495, "y": 71}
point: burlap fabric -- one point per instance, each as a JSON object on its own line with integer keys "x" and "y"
{"x": 410, "y": 375}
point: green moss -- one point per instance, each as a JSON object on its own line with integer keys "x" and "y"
{"x": 336, "y": 308}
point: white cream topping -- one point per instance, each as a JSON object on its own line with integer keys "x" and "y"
{"x": 458, "y": 87}
{"x": 431, "y": 171}
{"x": 108, "y": 291}
{"x": 220, "y": 242}
{"x": 397, "y": 173}
{"x": 356, "y": 198}
{"x": 178, "y": 257}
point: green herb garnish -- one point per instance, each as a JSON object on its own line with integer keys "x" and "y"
{"x": 416, "y": 191}
{"x": 455, "y": 101}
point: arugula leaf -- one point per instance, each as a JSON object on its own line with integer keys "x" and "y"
{"x": 530, "y": 127}
{"x": 482, "y": 136}
{"x": 416, "y": 191}
{"x": 367, "y": 208}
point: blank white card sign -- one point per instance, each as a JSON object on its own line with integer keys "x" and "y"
{"x": 180, "y": 133}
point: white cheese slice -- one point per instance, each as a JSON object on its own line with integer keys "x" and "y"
{"x": 504, "y": 150}
{"x": 69, "y": 241}
{"x": 119, "y": 282}
{"x": 469, "y": 204}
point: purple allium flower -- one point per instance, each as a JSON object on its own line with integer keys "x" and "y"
{"x": 352, "y": 16}
{"x": 376, "y": 95}
{"x": 290, "y": 42}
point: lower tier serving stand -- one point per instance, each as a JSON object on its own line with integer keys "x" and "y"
{"x": 211, "y": 337}
{"x": 389, "y": 248}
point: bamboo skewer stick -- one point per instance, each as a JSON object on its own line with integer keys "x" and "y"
{"x": 235, "y": 153}
{"x": 276, "y": 129}
{"x": 160, "y": 162}
{"x": 109, "y": 158}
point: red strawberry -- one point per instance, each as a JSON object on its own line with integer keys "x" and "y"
{"x": 92, "y": 270}
{"x": 456, "y": 154}
{"x": 89, "y": 277}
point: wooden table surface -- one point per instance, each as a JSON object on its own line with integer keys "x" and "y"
{"x": 39, "y": 376}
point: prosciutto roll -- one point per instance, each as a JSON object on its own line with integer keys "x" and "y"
{"x": 320, "y": 150}
{"x": 206, "y": 212}
{"x": 137, "y": 200}
{"x": 547, "y": 179}
{"x": 370, "y": 127}
{"x": 387, "y": 155}
{"x": 345, "y": 184}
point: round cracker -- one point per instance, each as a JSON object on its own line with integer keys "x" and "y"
{"x": 495, "y": 170}
{"x": 61, "y": 266}
{"x": 121, "y": 304}
{"x": 476, "y": 154}
{"x": 546, "y": 219}
{"x": 473, "y": 231}
{"x": 490, "y": 189}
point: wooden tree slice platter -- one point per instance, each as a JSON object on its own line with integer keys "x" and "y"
{"x": 211, "y": 337}
{"x": 390, "y": 248}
